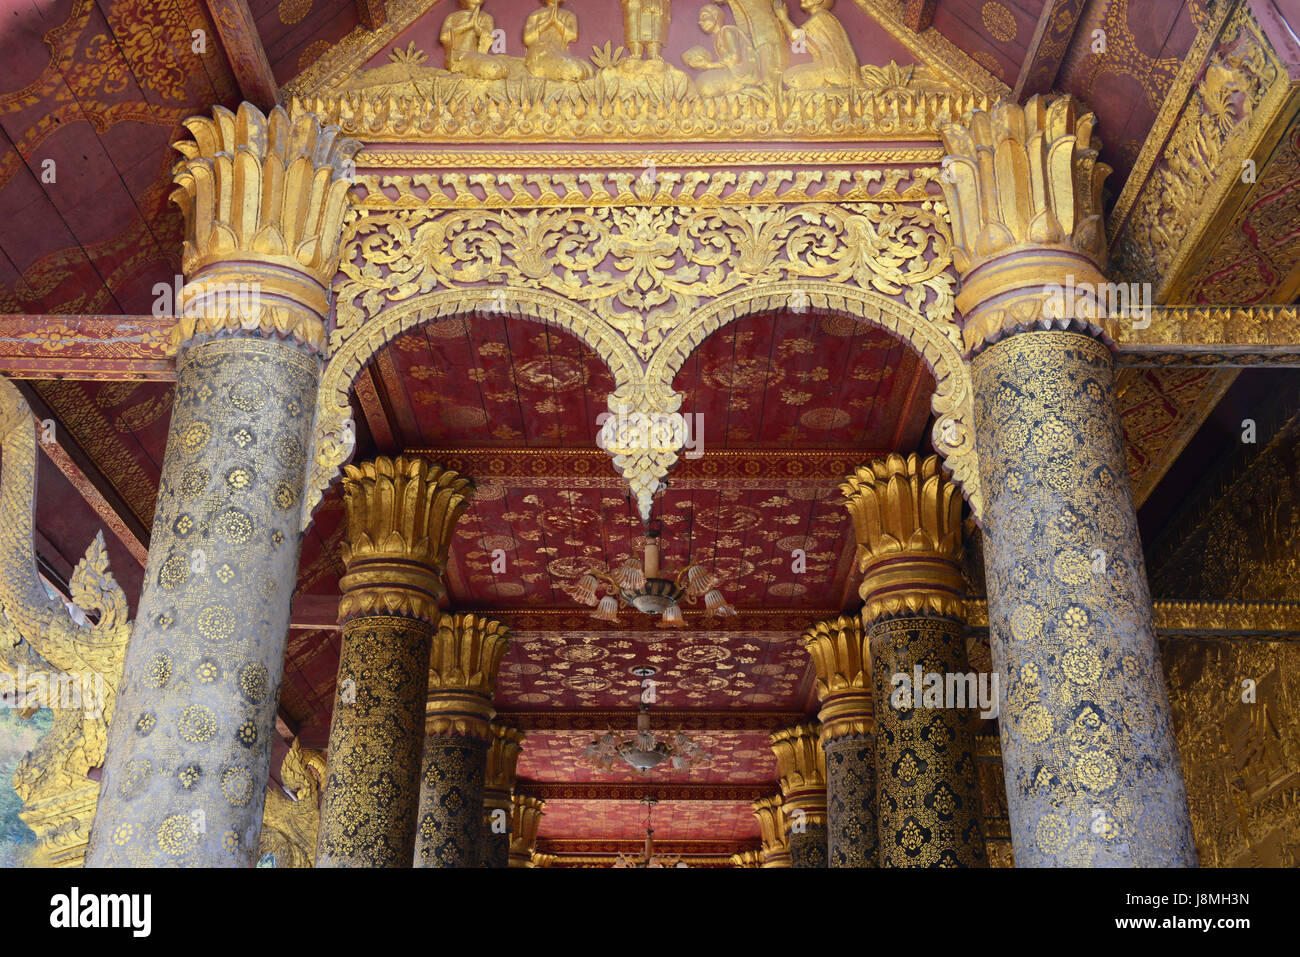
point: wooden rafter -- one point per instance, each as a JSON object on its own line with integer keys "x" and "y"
{"x": 1047, "y": 48}
{"x": 244, "y": 50}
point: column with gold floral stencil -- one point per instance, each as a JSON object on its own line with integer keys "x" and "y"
{"x": 802, "y": 765}
{"x": 907, "y": 518}
{"x": 467, "y": 651}
{"x": 838, "y": 647}
{"x": 775, "y": 844}
{"x": 263, "y": 198}
{"x": 525, "y": 821}
{"x": 1092, "y": 771}
{"x": 498, "y": 784}
{"x": 400, "y": 516}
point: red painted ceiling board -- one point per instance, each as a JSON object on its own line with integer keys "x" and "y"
{"x": 709, "y": 670}
{"x": 626, "y": 820}
{"x": 1145, "y": 44}
{"x": 738, "y": 757}
{"x": 69, "y": 523}
{"x": 494, "y": 381}
{"x": 806, "y": 381}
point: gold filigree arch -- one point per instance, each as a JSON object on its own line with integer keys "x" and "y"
{"x": 335, "y": 434}
{"x": 936, "y": 341}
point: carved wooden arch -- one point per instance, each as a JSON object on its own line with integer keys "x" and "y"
{"x": 937, "y": 342}
{"x": 334, "y": 437}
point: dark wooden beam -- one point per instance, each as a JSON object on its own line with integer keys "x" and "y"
{"x": 1047, "y": 48}
{"x": 244, "y": 50}
{"x": 918, "y": 15}
{"x": 88, "y": 480}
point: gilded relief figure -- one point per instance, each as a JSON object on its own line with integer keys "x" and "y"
{"x": 467, "y": 36}
{"x": 757, "y": 20}
{"x": 734, "y": 64}
{"x": 833, "y": 61}
{"x": 645, "y": 27}
{"x": 548, "y": 32}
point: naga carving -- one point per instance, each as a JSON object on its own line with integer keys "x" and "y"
{"x": 74, "y": 663}
{"x": 290, "y": 824}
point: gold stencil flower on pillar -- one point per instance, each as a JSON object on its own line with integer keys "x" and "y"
{"x": 907, "y": 518}
{"x": 264, "y": 198}
{"x": 1024, "y": 191}
{"x": 400, "y": 515}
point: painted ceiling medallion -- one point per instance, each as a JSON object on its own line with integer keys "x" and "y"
{"x": 642, "y": 587}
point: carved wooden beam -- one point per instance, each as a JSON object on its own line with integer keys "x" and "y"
{"x": 1231, "y": 336}
{"x": 35, "y": 346}
{"x": 244, "y": 50}
{"x": 1051, "y": 40}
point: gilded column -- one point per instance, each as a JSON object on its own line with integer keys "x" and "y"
{"x": 802, "y": 765}
{"x": 840, "y": 656}
{"x": 907, "y": 517}
{"x": 498, "y": 784}
{"x": 467, "y": 652}
{"x": 525, "y": 821}
{"x": 400, "y": 516}
{"x": 1092, "y": 771}
{"x": 189, "y": 747}
{"x": 775, "y": 844}
{"x": 747, "y": 859}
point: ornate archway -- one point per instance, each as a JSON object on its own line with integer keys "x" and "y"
{"x": 642, "y": 271}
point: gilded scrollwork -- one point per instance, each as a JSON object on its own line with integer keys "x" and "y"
{"x": 642, "y": 269}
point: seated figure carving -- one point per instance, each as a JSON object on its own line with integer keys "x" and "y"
{"x": 823, "y": 36}
{"x": 548, "y": 32}
{"x": 466, "y": 37}
{"x": 733, "y": 65}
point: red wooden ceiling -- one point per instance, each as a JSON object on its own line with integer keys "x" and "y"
{"x": 720, "y": 821}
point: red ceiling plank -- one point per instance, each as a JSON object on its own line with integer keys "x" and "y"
{"x": 36, "y": 346}
{"x": 919, "y": 14}
{"x": 372, "y": 13}
{"x": 86, "y": 478}
{"x": 244, "y": 49}
{"x": 632, "y": 791}
{"x": 1051, "y": 40}
{"x": 591, "y": 719}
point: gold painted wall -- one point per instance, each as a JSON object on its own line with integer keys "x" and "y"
{"x": 1241, "y": 758}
